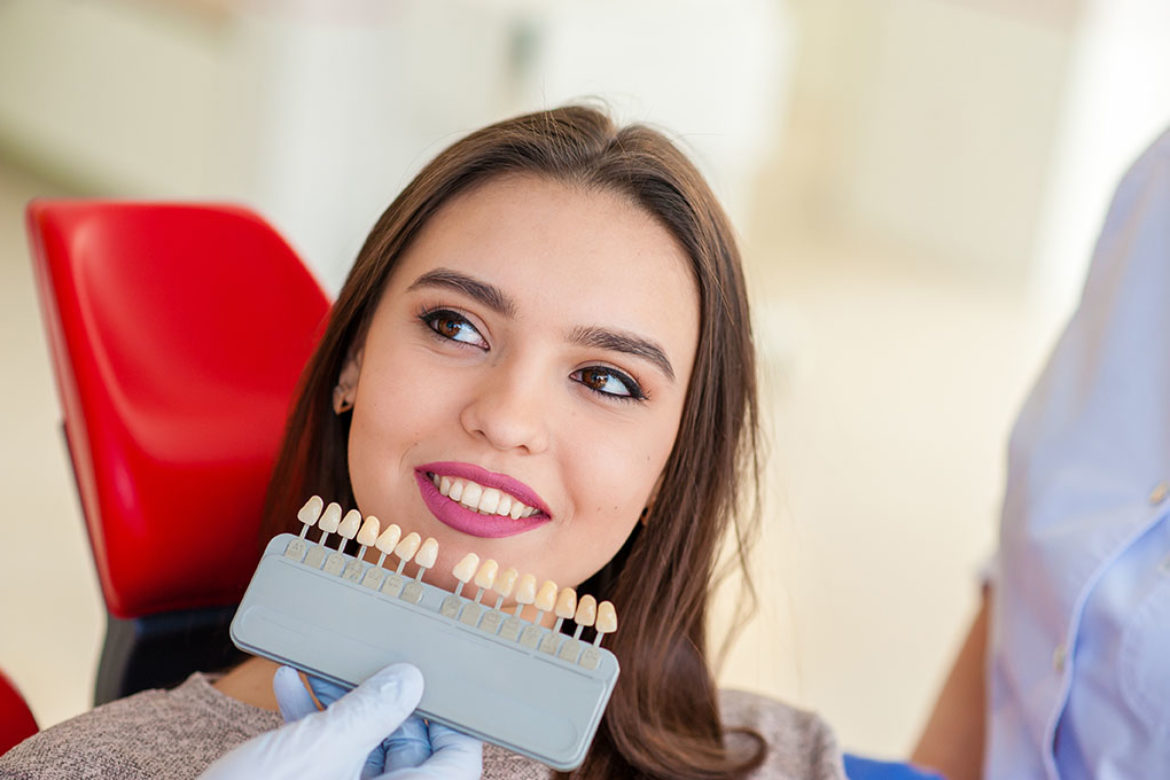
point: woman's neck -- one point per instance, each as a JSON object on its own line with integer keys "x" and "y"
{"x": 251, "y": 683}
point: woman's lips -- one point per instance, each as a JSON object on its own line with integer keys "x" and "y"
{"x": 469, "y": 521}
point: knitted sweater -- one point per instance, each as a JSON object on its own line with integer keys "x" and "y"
{"x": 175, "y": 734}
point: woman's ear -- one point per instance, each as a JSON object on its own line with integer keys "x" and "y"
{"x": 346, "y": 387}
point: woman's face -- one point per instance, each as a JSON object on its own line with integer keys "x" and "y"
{"x": 533, "y": 347}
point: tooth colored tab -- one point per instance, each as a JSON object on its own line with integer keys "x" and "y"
{"x": 331, "y": 518}
{"x": 526, "y": 589}
{"x": 408, "y": 546}
{"x": 606, "y": 618}
{"x": 388, "y": 539}
{"x": 310, "y": 511}
{"x": 586, "y": 610}
{"x": 486, "y": 576}
{"x": 350, "y": 524}
{"x": 505, "y": 582}
{"x": 546, "y": 597}
{"x": 566, "y": 603}
{"x": 465, "y": 569}
{"x": 428, "y": 553}
{"x": 369, "y": 533}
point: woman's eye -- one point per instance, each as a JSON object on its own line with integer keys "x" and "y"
{"x": 454, "y": 326}
{"x": 608, "y": 381}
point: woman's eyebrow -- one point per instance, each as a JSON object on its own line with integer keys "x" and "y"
{"x": 616, "y": 341}
{"x": 487, "y": 294}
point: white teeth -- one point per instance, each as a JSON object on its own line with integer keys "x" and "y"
{"x": 471, "y": 494}
{"x": 485, "y": 500}
{"x": 489, "y": 501}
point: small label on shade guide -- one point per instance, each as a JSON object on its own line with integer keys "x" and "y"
{"x": 511, "y": 629}
{"x": 413, "y": 592}
{"x": 449, "y": 607}
{"x": 393, "y": 584}
{"x": 470, "y": 614}
{"x": 353, "y": 571}
{"x": 315, "y": 557}
{"x": 491, "y": 622}
{"x": 374, "y": 577}
{"x": 334, "y": 563}
{"x": 569, "y": 651}
{"x": 295, "y": 549}
{"x": 549, "y": 643}
{"x": 530, "y": 636}
{"x": 590, "y": 658}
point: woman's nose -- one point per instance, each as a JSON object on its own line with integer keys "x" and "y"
{"x": 507, "y": 410}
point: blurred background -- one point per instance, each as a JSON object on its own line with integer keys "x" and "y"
{"x": 917, "y": 185}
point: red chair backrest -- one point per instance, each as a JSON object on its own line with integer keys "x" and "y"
{"x": 178, "y": 334}
{"x": 16, "y": 719}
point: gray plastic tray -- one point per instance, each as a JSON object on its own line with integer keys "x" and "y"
{"x": 540, "y": 694}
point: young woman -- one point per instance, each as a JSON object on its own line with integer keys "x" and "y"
{"x": 554, "y": 312}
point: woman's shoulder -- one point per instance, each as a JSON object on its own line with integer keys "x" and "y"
{"x": 800, "y": 743}
{"x": 156, "y": 733}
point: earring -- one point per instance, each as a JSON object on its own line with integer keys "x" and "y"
{"x": 645, "y": 516}
{"x": 342, "y": 402}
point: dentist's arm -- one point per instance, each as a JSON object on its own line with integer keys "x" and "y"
{"x": 952, "y": 742}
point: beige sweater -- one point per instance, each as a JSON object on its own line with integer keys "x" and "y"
{"x": 176, "y": 734}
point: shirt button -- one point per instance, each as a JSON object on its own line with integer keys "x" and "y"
{"x": 1159, "y": 493}
{"x": 1059, "y": 655}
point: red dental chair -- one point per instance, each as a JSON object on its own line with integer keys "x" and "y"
{"x": 178, "y": 333}
{"x": 16, "y": 719}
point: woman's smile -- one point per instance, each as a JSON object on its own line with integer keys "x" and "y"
{"x": 478, "y": 502}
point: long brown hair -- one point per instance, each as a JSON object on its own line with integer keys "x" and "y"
{"x": 663, "y": 718}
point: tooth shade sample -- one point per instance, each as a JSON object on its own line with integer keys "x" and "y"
{"x": 408, "y": 546}
{"x": 546, "y": 598}
{"x": 566, "y": 603}
{"x": 331, "y": 518}
{"x": 369, "y": 533}
{"x": 388, "y": 539}
{"x": 505, "y": 582}
{"x": 586, "y": 610}
{"x": 350, "y": 524}
{"x": 526, "y": 589}
{"x": 310, "y": 511}
{"x": 465, "y": 569}
{"x": 428, "y": 553}
{"x": 606, "y": 618}
{"x": 486, "y": 576}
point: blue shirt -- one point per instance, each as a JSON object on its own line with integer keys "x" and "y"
{"x": 1079, "y": 662}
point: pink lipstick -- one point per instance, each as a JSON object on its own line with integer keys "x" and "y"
{"x": 469, "y": 521}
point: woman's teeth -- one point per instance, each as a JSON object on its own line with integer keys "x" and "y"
{"x": 485, "y": 500}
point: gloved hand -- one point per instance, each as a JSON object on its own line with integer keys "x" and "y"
{"x": 337, "y": 741}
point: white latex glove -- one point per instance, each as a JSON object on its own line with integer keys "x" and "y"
{"x": 335, "y": 742}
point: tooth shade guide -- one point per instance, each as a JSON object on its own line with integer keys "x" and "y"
{"x": 566, "y": 607}
{"x": 606, "y": 621}
{"x": 426, "y": 556}
{"x": 309, "y": 514}
{"x": 465, "y": 645}
{"x": 485, "y": 578}
{"x": 368, "y": 535}
{"x": 406, "y": 550}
